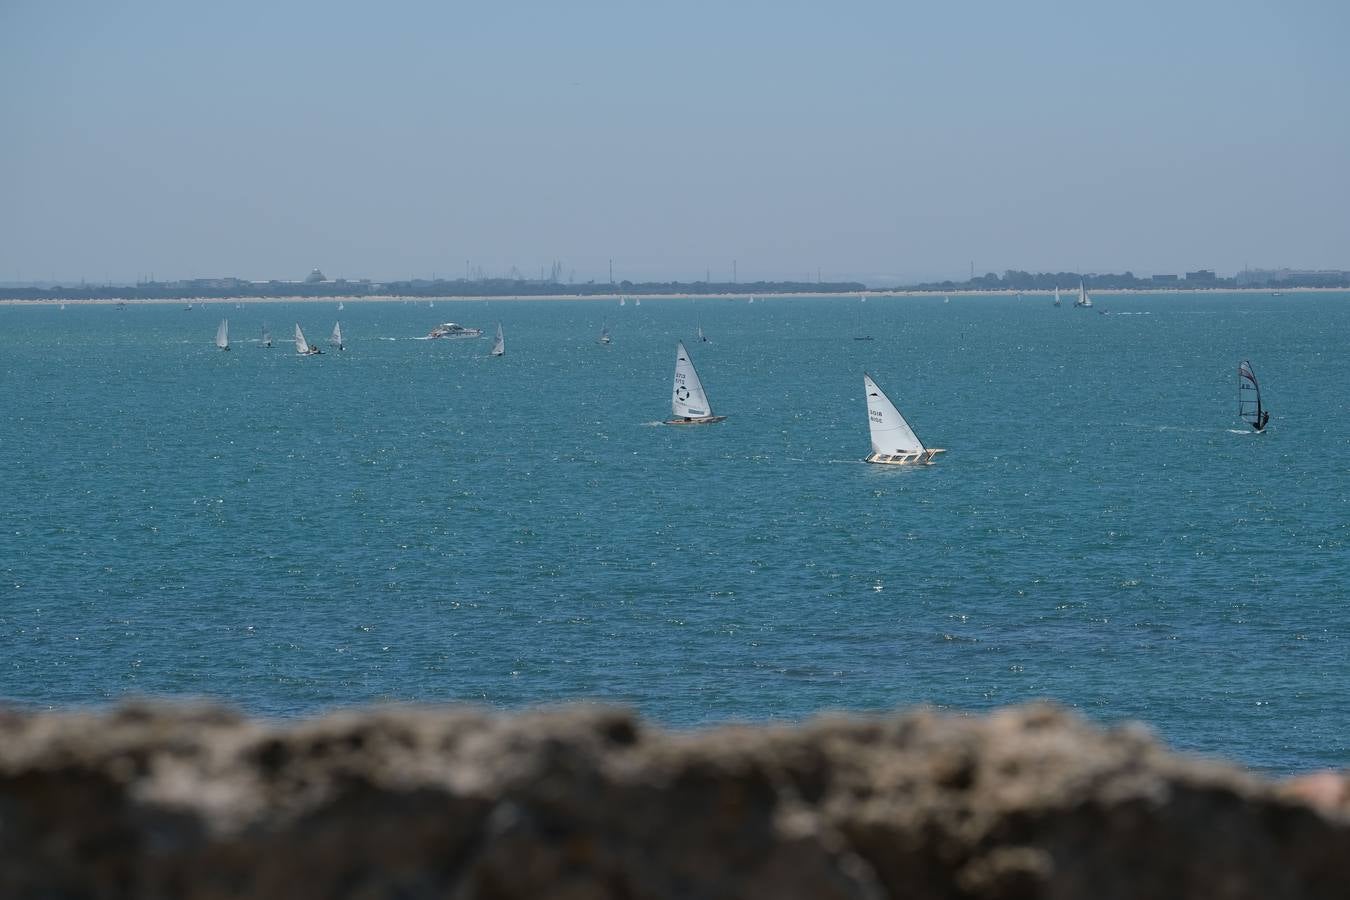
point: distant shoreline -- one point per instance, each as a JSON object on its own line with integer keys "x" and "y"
{"x": 394, "y": 298}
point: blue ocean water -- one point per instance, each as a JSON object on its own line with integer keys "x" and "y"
{"x": 410, "y": 520}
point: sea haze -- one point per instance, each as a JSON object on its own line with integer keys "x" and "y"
{"x": 411, "y": 520}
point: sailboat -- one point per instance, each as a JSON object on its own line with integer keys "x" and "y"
{"x": 637, "y": 301}
{"x": 1249, "y": 399}
{"x": 894, "y": 443}
{"x": 499, "y": 345}
{"x": 702, "y": 338}
{"x": 689, "y": 402}
{"x": 223, "y": 335}
{"x": 1057, "y": 300}
{"x": 860, "y": 336}
{"x": 604, "y": 334}
{"x": 340, "y": 306}
{"x": 267, "y": 337}
{"x": 303, "y": 347}
{"x": 622, "y": 301}
{"x": 1083, "y": 299}
{"x": 336, "y": 338}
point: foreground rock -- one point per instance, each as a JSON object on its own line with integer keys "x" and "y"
{"x": 172, "y": 802}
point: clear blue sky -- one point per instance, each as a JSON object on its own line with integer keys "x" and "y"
{"x": 864, "y": 139}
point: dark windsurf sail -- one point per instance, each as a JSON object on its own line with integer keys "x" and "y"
{"x": 1250, "y": 409}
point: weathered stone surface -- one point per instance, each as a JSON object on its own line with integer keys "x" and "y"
{"x": 190, "y": 802}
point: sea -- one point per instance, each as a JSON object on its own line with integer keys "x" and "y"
{"x": 410, "y": 520}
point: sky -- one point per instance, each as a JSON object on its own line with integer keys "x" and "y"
{"x": 876, "y": 141}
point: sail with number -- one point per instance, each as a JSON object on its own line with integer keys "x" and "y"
{"x": 689, "y": 401}
{"x": 893, "y": 441}
{"x": 499, "y": 345}
{"x": 1250, "y": 409}
{"x": 223, "y": 335}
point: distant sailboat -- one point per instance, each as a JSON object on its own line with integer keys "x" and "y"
{"x": 1250, "y": 409}
{"x": 752, "y": 299}
{"x": 689, "y": 402}
{"x": 336, "y": 337}
{"x": 637, "y": 301}
{"x": 223, "y": 335}
{"x": 303, "y": 347}
{"x": 604, "y": 334}
{"x": 860, "y": 336}
{"x": 1083, "y": 299}
{"x": 622, "y": 301}
{"x": 894, "y": 443}
{"x": 499, "y": 345}
{"x": 340, "y": 306}
{"x": 267, "y": 337}
{"x": 702, "y": 338}
{"x": 1057, "y": 300}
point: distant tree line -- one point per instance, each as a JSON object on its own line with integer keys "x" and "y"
{"x": 1017, "y": 280}
{"x": 223, "y": 288}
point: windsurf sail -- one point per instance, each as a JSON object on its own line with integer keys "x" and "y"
{"x": 1250, "y": 409}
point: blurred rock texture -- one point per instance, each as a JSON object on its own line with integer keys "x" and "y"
{"x": 171, "y": 801}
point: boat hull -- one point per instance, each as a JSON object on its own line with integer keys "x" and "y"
{"x": 698, "y": 420}
{"x": 922, "y": 458}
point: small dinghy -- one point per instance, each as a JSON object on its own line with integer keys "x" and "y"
{"x": 689, "y": 401}
{"x": 303, "y": 347}
{"x": 223, "y": 335}
{"x": 336, "y": 337}
{"x": 894, "y": 443}
{"x": 499, "y": 345}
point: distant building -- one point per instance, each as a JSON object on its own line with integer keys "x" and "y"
{"x": 1165, "y": 279}
{"x": 315, "y": 277}
{"x": 1200, "y": 275}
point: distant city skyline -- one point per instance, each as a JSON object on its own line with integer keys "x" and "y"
{"x": 880, "y": 142}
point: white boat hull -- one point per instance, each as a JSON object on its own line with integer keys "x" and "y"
{"x": 922, "y": 458}
{"x": 696, "y": 420}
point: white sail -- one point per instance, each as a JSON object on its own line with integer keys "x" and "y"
{"x": 267, "y": 337}
{"x": 340, "y": 306}
{"x": 1083, "y": 298}
{"x": 301, "y": 345}
{"x": 891, "y": 434}
{"x": 604, "y": 334}
{"x": 688, "y": 400}
{"x": 336, "y": 338}
{"x": 1057, "y": 296}
{"x": 223, "y": 335}
{"x": 499, "y": 345}
{"x": 637, "y": 301}
{"x": 621, "y": 301}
